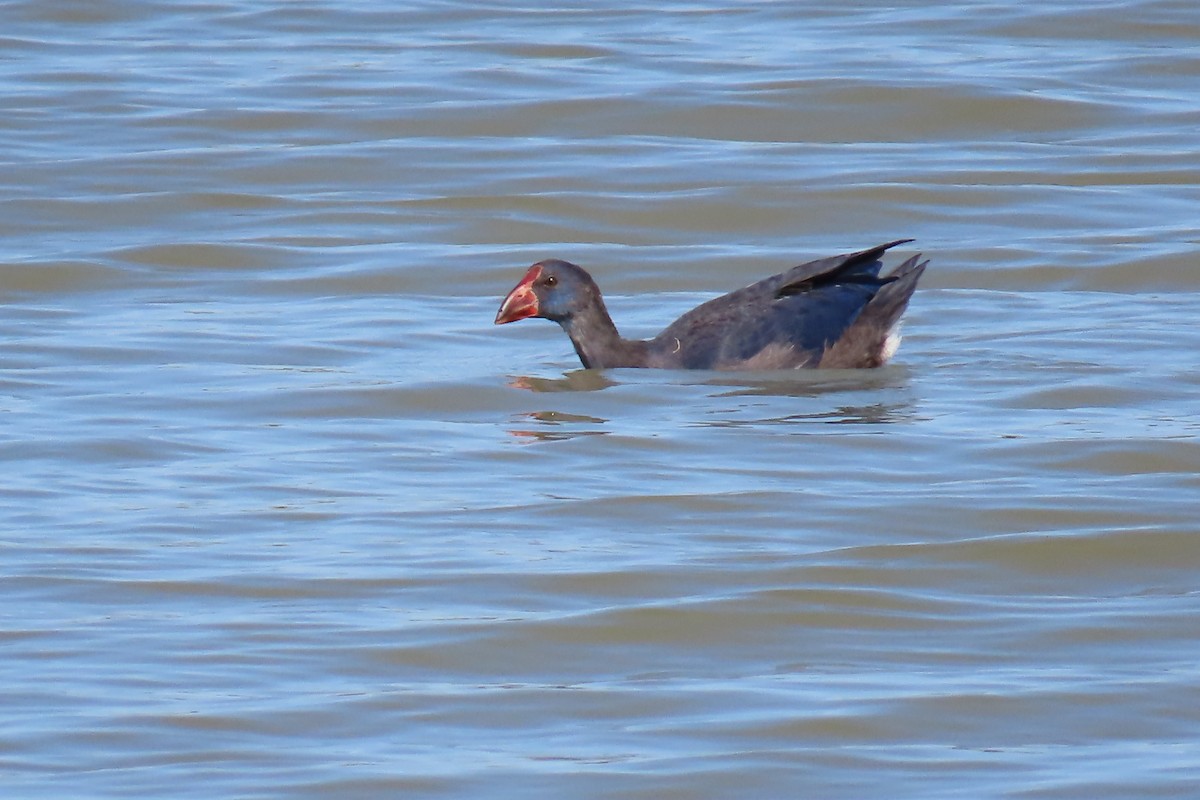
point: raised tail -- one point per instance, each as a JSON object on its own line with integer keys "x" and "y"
{"x": 874, "y": 335}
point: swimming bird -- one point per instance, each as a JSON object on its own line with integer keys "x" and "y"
{"x": 836, "y": 312}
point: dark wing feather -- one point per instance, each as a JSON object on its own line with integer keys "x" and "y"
{"x": 860, "y": 267}
{"x": 777, "y": 315}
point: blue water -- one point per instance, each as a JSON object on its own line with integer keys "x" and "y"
{"x": 284, "y": 514}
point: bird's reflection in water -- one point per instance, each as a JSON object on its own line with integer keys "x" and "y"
{"x": 552, "y": 430}
{"x": 884, "y": 390}
{"x": 581, "y": 380}
{"x": 874, "y": 414}
{"x": 808, "y": 383}
{"x": 780, "y": 383}
{"x": 796, "y": 398}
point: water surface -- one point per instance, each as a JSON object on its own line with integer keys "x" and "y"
{"x": 285, "y": 515}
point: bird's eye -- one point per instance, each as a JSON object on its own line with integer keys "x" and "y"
{"x": 551, "y": 280}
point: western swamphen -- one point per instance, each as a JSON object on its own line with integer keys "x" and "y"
{"x": 836, "y": 312}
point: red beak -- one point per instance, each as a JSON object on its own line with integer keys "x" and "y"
{"x": 521, "y": 301}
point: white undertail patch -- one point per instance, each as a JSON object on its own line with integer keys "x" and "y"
{"x": 891, "y": 344}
